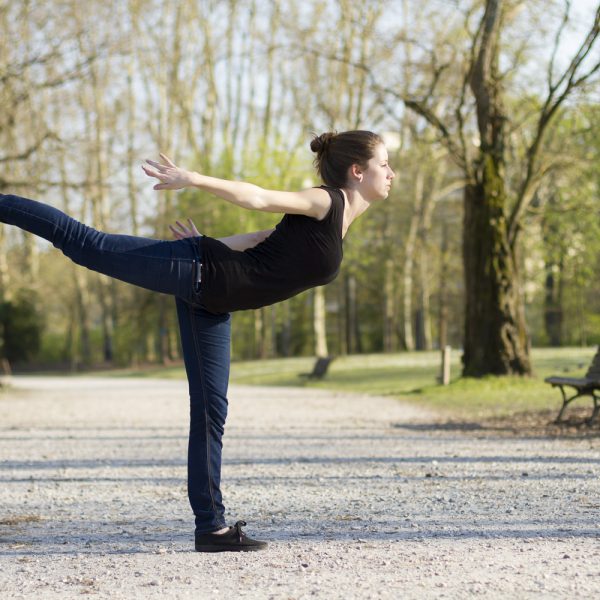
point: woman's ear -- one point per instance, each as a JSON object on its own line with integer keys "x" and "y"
{"x": 356, "y": 173}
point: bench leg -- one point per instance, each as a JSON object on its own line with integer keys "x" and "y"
{"x": 566, "y": 402}
{"x": 596, "y": 409}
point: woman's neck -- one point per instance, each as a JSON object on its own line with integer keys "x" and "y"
{"x": 356, "y": 204}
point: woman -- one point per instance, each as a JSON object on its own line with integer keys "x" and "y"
{"x": 211, "y": 278}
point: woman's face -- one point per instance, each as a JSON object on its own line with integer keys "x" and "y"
{"x": 377, "y": 177}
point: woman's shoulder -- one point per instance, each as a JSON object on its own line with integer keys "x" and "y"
{"x": 337, "y": 199}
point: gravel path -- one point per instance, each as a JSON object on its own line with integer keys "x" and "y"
{"x": 358, "y": 499}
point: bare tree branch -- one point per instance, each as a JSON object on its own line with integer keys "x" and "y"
{"x": 462, "y": 98}
{"x": 27, "y": 153}
{"x": 559, "y": 32}
{"x": 15, "y": 71}
{"x": 48, "y": 183}
{"x": 446, "y": 137}
{"x": 417, "y": 106}
{"x": 571, "y": 80}
{"x": 450, "y": 188}
{"x": 481, "y": 72}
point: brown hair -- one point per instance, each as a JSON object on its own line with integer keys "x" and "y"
{"x": 337, "y": 152}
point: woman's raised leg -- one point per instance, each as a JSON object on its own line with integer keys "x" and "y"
{"x": 170, "y": 267}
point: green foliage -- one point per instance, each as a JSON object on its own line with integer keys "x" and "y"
{"x": 211, "y": 96}
{"x": 564, "y": 230}
{"x": 52, "y": 348}
{"x": 21, "y": 327}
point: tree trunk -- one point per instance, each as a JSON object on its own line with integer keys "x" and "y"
{"x": 351, "y": 315}
{"x": 320, "y": 323}
{"x": 264, "y": 328}
{"x": 495, "y": 331}
{"x": 553, "y": 310}
{"x": 409, "y": 261}
{"x": 341, "y": 320}
{"x": 84, "y": 355}
{"x": 424, "y": 335}
{"x": 495, "y": 339}
{"x": 285, "y": 336}
{"x": 162, "y": 342}
{"x": 4, "y": 272}
{"x": 262, "y": 336}
{"x": 423, "y": 324}
{"x": 578, "y": 290}
{"x": 443, "y": 306}
{"x": 389, "y": 307}
{"x": 272, "y": 331}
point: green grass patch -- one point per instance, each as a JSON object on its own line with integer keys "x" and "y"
{"x": 505, "y": 396}
{"x": 412, "y": 377}
{"x": 490, "y": 397}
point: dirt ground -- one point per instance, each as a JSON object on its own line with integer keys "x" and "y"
{"x": 359, "y": 497}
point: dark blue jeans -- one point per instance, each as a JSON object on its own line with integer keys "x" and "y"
{"x": 171, "y": 268}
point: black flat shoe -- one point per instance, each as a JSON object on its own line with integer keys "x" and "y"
{"x": 234, "y": 540}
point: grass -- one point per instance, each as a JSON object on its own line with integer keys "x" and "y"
{"x": 411, "y": 376}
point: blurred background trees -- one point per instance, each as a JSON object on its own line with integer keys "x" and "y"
{"x": 236, "y": 87}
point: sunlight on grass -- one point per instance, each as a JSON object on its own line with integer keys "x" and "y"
{"x": 412, "y": 377}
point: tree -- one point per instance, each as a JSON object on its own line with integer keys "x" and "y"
{"x": 234, "y": 88}
{"x": 495, "y": 337}
{"x": 570, "y": 242}
{"x": 20, "y": 329}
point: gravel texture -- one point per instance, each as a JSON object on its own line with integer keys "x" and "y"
{"x": 357, "y": 495}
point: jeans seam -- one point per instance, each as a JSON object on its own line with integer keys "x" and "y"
{"x": 208, "y": 454}
{"x": 101, "y": 250}
{"x": 134, "y": 253}
{"x": 48, "y": 221}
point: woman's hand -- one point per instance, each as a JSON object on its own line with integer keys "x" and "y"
{"x": 171, "y": 177}
{"x": 182, "y": 232}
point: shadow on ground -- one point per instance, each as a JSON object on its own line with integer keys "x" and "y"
{"x": 526, "y": 425}
{"x": 151, "y": 537}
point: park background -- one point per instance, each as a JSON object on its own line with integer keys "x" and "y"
{"x": 481, "y": 103}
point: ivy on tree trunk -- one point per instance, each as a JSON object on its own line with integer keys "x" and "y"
{"x": 495, "y": 339}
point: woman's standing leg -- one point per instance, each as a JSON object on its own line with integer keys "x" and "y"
{"x": 170, "y": 267}
{"x": 205, "y": 338}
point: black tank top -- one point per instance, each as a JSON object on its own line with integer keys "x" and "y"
{"x": 301, "y": 253}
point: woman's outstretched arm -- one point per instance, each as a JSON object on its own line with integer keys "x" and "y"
{"x": 313, "y": 202}
{"x": 240, "y": 242}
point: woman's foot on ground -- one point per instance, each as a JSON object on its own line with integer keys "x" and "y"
{"x": 232, "y": 540}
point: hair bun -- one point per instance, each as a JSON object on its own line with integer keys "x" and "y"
{"x": 320, "y": 143}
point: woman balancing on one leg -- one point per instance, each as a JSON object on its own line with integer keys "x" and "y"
{"x": 212, "y": 277}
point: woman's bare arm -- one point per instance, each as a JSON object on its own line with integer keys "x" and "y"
{"x": 313, "y": 202}
{"x": 243, "y": 241}
{"x": 240, "y": 242}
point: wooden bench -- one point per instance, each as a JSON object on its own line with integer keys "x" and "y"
{"x": 320, "y": 369}
{"x": 589, "y": 385}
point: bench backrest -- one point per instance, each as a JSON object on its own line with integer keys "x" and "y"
{"x": 594, "y": 371}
